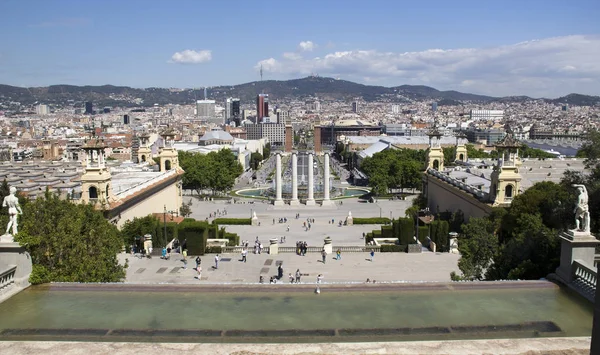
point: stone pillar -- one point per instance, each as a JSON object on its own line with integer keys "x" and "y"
{"x": 326, "y": 200}
{"x": 294, "y": 200}
{"x": 580, "y": 246}
{"x": 310, "y": 201}
{"x": 278, "y": 181}
{"x": 273, "y": 246}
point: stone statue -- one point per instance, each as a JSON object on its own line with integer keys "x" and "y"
{"x": 12, "y": 202}
{"x": 582, "y": 213}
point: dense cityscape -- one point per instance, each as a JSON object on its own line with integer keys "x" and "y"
{"x": 299, "y": 178}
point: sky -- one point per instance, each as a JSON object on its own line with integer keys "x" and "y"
{"x": 537, "y": 48}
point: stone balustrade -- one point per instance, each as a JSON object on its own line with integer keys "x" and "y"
{"x": 292, "y": 249}
{"x": 7, "y": 279}
{"x": 584, "y": 274}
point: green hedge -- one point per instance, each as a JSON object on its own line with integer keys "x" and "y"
{"x": 439, "y": 235}
{"x": 213, "y": 250}
{"x": 368, "y": 238}
{"x": 195, "y": 233}
{"x": 406, "y": 230}
{"x": 423, "y": 234}
{"x": 393, "y": 248}
{"x": 233, "y": 238}
{"x": 376, "y": 233}
{"x": 233, "y": 221}
{"x": 387, "y": 232}
{"x": 372, "y": 220}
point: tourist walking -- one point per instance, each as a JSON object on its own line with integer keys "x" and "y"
{"x": 298, "y": 275}
{"x": 372, "y": 254}
{"x": 338, "y": 255}
{"x": 217, "y": 261}
{"x": 199, "y": 270}
{"x": 185, "y": 259}
{"x": 324, "y": 256}
{"x": 244, "y": 254}
{"x": 198, "y": 261}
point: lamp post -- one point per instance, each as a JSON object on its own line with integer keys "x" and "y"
{"x": 165, "y": 223}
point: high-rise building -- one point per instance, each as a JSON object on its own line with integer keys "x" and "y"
{"x": 395, "y": 109}
{"x": 355, "y": 107}
{"x": 262, "y": 106}
{"x": 205, "y": 109}
{"x": 42, "y": 109}
{"x": 434, "y": 107}
{"x": 89, "y": 108}
{"x": 126, "y": 119}
{"x": 232, "y": 110}
{"x": 283, "y": 116}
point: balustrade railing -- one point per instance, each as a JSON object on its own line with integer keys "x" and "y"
{"x": 292, "y": 249}
{"x": 584, "y": 274}
{"x": 7, "y": 278}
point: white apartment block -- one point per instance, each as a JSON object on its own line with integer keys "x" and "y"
{"x": 487, "y": 115}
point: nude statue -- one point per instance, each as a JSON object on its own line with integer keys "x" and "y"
{"x": 582, "y": 213}
{"x": 12, "y": 202}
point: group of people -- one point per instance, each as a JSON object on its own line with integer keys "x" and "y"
{"x": 301, "y": 248}
{"x": 217, "y": 213}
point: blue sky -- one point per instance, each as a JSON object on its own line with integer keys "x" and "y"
{"x": 528, "y": 47}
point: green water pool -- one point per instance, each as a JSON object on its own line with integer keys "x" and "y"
{"x": 390, "y": 314}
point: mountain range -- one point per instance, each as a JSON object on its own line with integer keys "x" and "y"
{"x": 322, "y": 87}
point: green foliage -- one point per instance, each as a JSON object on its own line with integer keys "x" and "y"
{"x": 255, "y": 159}
{"x": 140, "y": 226}
{"x": 478, "y": 245}
{"x": 368, "y": 238}
{"x": 406, "y": 228}
{"x": 186, "y": 209}
{"x": 527, "y": 152}
{"x": 590, "y": 149}
{"x": 233, "y": 221}
{"x": 267, "y": 151}
{"x": 393, "y": 249}
{"x": 387, "y": 232}
{"x": 216, "y": 171}
{"x": 69, "y": 242}
{"x": 394, "y": 168}
{"x": 372, "y": 220}
{"x": 195, "y": 233}
{"x": 473, "y": 153}
{"x": 449, "y": 155}
{"x": 423, "y": 234}
{"x": 439, "y": 235}
{"x": 214, "y": 249}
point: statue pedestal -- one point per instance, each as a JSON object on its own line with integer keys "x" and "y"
{"x": 254, "y": 220}
{"x": 327, "y": 245}
{"x": 7, "y": 238}
{"x": 13, "y": 254}
{"x": 349, "y": 219}
{"x": 273, "y": 246}
{"x": 575, "y": 245}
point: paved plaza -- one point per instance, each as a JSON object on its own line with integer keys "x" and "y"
{"x": 353, "y": 267}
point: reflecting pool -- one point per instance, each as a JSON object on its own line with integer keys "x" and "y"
{"x": 275, "y": 313}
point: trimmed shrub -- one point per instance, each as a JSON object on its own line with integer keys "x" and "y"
{"x": 372, "y": 220}
{"x": 195, "y": 233}
{"x": 368, "y": 238}
{"x": 233, "y": 221}
{"x": 406, "y": 228}
{"x": 233, "y": 238}
{"x": 439, "y": 235}
{"x": 393, "y": 248}
{"x": 376, "y": 233}
{"x": 423, "y": 234}
{"x": 213, "y": 250}
{"x": 387, "y": 232}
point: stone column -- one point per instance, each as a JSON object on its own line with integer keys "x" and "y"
{"x": 294, "y": 200}
{"x": 326, "y": 200}
{"x": 278, "y": 181}
{"x": 310, "y": 201}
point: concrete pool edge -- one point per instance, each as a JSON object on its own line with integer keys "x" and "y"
{"x": 529, "y": 346}
{"x": 304, "y": 287}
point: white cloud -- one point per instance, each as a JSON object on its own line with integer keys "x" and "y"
{"x": 306, "y": 46}
{"x": 546, "y": 67}
{"x": 189, "y": 56}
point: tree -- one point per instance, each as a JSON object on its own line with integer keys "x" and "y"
{"x": 267, "y": 151}
{"x": 527, "y": 152}
{"x": 216, "y": 171}
{"x": 449, "y": 155}
{"x": 186, "y": 209}
{"x": 394, "y": 168}
{"x": 69, "y": 242}
{"x": 477, "y": 245}
{"x": 473, "y": 153}
{"x": 255, "y": 159}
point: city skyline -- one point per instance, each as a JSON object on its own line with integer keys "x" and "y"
{"x": 536, "y": 49}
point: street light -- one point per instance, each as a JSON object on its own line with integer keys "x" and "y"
{"x": 165, "y": 224}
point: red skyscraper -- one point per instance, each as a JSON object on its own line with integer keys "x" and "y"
{"x": 262, "y": 107}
